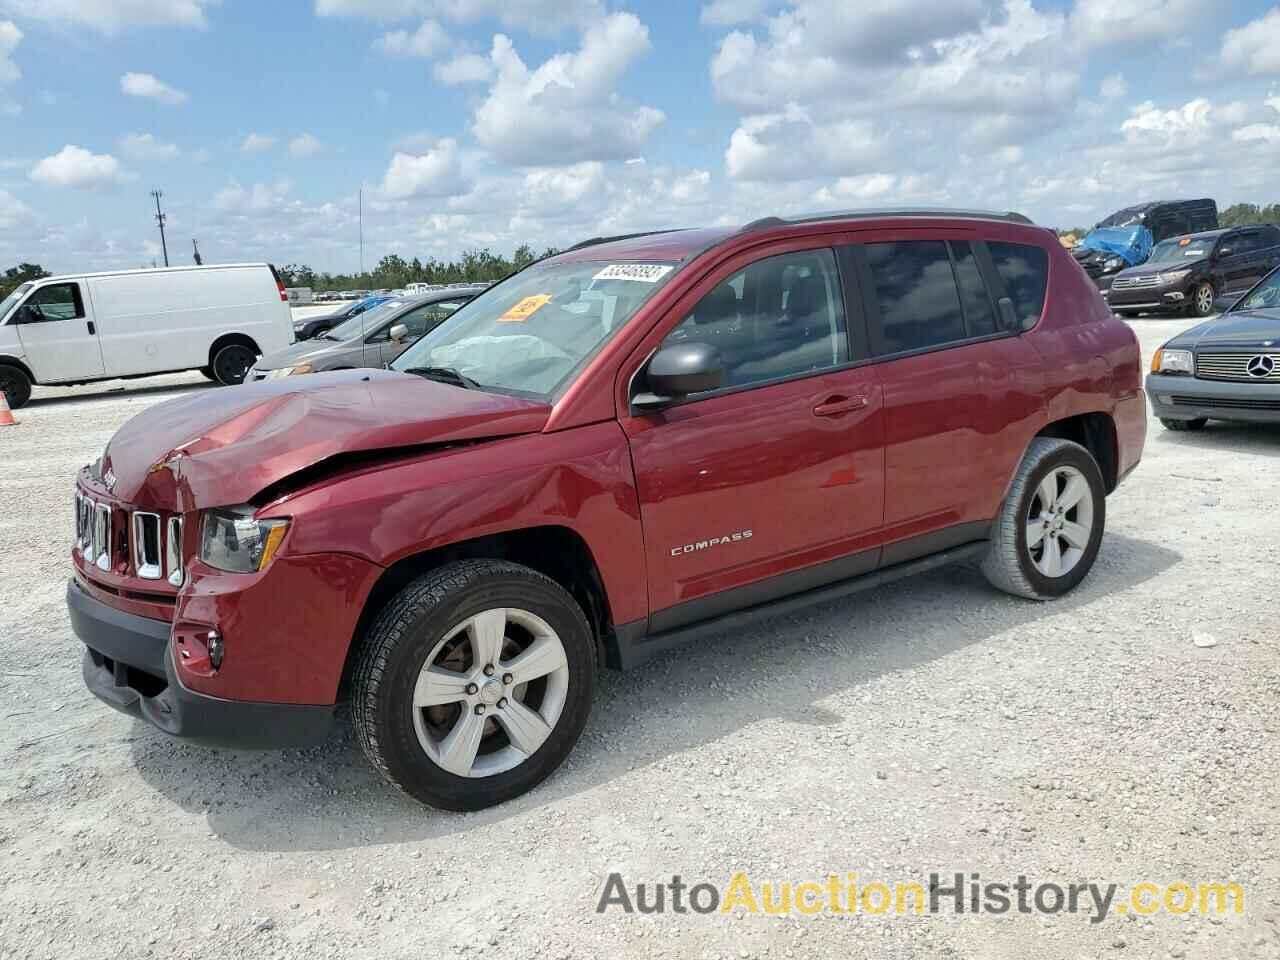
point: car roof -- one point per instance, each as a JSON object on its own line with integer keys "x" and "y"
{"x": 680, "y": 245}
{"x": 1205, "y": 235}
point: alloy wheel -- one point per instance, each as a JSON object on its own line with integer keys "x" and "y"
{"x": 1204, "y": 299}
{"x": 490, "y": 692}
{"x": 1060, "y": 522}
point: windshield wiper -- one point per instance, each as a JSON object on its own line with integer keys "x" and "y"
{"x": 445, "y": 375}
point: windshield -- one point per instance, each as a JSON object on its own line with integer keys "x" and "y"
{"x": 11, "y": 300}
{"x": 1180, "y": 250}
{"x": 364, "y": 322}
{"x": 532, "y": 332}
{"x": 1265, "y": 294}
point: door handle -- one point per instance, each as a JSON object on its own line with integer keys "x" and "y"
{"x": 834, "y": 406}
{"x": 92, "y": 329}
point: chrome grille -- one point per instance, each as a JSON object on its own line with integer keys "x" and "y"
{"x": 173, "y": 551}
{"x": 1136, "y": 283}
{"x": 146, "y": 545}
{"x": 1234, "y": 366}
{"x": 101, "y": 536}
{"x": 84, "y": 521}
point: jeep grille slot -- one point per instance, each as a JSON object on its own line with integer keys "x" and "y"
{"x": 102, "y": 536}
{"x": 173, "y": 551}
{"x": 146, "y": 545}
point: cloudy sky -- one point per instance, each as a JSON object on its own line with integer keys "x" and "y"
{"x": 497, "y": 122}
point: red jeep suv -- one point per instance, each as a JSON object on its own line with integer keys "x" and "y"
{"x": 631, "y": 445}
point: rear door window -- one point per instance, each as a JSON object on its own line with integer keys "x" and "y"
{"x": 915, "y": 289}
{"x": 979, "y": 313}
{"x": 1025, "y": 272}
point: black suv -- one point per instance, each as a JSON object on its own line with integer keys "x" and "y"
{"x": 1118, "y": 242}
{"x": 1189, "y": 273}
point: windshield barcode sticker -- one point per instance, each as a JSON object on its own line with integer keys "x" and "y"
{"x": 639, "y": 272}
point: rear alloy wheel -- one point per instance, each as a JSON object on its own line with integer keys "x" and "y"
{"x": 1180, "y": 425}
{"x": 15, "y": 385}
{"x": 231, "y": 364}
{"x": 1048, "y": 533}
{"x": 1202, "y": 299}
{"x": 474, "y": 684}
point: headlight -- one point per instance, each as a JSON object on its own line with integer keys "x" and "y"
{"x": 1115, "y": 263}
{"x": 1173, "y": 276}
{"x": 289, "y": 371}
{"x": 232, "y": 540}
{"x": 1172, "y": 361}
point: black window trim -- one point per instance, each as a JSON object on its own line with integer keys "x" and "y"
{"x": 77, "y": 300}
{"x": 986, "y": 288}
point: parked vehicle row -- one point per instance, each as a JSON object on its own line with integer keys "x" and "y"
{"x": 315, "y": 326}
{"x": 1126, "y": 238}
{"x": 1191, "y": 273}
{"x": 82, "y": 328}
{"x": 612, "y": 452}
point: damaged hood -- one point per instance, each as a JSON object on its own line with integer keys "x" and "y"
{"x": 220, "y": 447}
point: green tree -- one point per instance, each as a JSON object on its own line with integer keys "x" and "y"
{"x": 20, "y": 274}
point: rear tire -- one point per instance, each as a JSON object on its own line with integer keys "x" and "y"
{"x": 15, "y": 385}
{"x": 1046, "y": 538}
{"x": 231, "y": 364}
{"x": 410, "y": 720}
{"x": 1180, "y": 425}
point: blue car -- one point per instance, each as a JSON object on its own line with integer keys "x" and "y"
{"x": 315, "y": 326}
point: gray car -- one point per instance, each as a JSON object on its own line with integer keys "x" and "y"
{"x": 371, "y": 339}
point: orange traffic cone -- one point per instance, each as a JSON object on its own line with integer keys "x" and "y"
{"x": 6, "y": 415}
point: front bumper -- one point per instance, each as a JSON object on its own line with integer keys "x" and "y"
{"x": 1187, "y": 398}
{"x": 1149, "y": 299}
{"x": 128, "y": 664}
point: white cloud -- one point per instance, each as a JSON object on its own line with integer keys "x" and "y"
{"x": 1191, "y": 120}
{"x": 304, "y": 146}
{"x": 464, "y": 69}
{"x": 537, "y": 15}
{"x": 10, "y": 37}
{"x": 75, "y": 166}
{"x": 1255, "y": 47}
{"x": 259, "y": 198}
{"x": 144, "y": 146}
{"x": 257, "y": 143}
{"x": 428, "y": 40}
{"x": 567, "y": 110}
{"x": 112, "y": 16}
{"x": 432, "y": 173}
{"x": 1098, "y": 23}
{"x": 789, "y": 145}
{"x": 728, "y": 13}
{"x": 1266, "y": 132}
{"x": 1114, "y": 87}
{"x": 147, "y": 86}
{"x": 13, "y": 212}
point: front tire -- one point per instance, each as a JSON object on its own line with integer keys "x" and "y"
{"x": 1180, "y": 425}
{"x": 231, "y": 364}
{"x": 474, "y": 683}
{"x": 15, "y": 385}
{"x": 1202, "y": 300}
{"x": 1047, "y": 535}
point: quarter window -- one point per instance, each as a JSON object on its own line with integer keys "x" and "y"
{"x": 1025, "y": 272}
{"x": 919, "y": 306}
{"x": 777, "y": 318}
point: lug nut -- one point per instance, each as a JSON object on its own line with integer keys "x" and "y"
{"x": 502, "y": 703}
{"x": 479, "y": 709}
{"x": 508, "y": 679}
{"x": 488, "y": 670}
{"x": 472, "y": 689}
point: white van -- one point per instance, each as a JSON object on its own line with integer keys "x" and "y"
{"x": 134, "y": 323}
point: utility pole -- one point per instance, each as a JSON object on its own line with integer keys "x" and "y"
{"x": 361, "y": 213}
{"x": 160, "y": 218}
{"x": 195, "y": 246}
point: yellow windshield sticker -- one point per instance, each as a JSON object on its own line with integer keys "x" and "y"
{"x": 526, "y": 308}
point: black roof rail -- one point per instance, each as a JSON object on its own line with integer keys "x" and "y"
{"x": 867, "y": 214}
{"x": 595, "y": 241}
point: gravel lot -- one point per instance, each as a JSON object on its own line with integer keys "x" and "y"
{"x": 932, "y": 726}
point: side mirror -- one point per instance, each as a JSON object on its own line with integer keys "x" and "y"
{"x": 398, "y": 332}
{"x": 1224, "y": 252}
{"x": 678, "y": 370}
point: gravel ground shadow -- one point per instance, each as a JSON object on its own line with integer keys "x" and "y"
{"x": 331, "y": 798}
{"x": 109, "y": 393}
